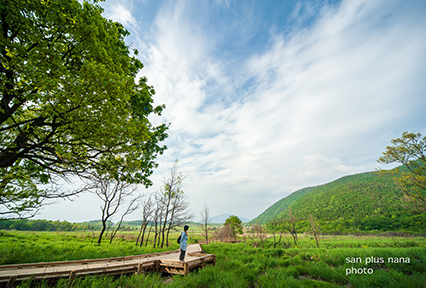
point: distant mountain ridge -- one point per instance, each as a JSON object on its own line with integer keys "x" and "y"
{"x": 220, "y": 219}
{"x": 353, "y": 197}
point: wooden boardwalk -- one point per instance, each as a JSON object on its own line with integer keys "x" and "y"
{"x": 162, "y": 262}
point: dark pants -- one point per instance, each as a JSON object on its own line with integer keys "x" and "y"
{"x": 182, "y": 255}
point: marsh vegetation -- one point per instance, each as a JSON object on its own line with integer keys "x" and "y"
{"x": 340, "y": 260}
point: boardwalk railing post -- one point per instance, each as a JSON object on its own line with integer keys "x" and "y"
{"x": 157, "y": 265}
{"x": 11, "y": 282}
{"x": 185, "y": 268}
{"x": 72, "y": 276}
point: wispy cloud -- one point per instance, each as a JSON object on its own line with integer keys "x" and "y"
{"x": 256, "y": 115}
{"x": 323, "y": 95}
{"x": 122, "y": 13}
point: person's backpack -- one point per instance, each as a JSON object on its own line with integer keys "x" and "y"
{"x": 178, "y": 240}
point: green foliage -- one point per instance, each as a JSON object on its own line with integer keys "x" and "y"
{"x": 410, "y": 151}
{"x": 415, "y": 222}
{"x": 367, "y": 201}
{"x": 235, "y": 224}
{"x": 70, "y": 102}
{"x": 351, "y": 197}
{"x": 280, "y": 206}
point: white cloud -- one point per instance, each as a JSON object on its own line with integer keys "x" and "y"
{"x": 122, "y": 13}
{"x": 309, "y": 105}
{"x": 321, "y": 93}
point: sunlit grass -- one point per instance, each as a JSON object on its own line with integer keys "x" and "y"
{"x": 238, "y": 265}
{"x": 31, "y": 247}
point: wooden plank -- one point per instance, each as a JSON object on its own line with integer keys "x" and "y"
{"x": 168, "y": 262}
{"x": 85, "y": 261}
{"x": 115, "y": 265}
{"x": 172, "y": 270}
{"x": 108, "y": 268}
{"x": 79, "y": 270}
{"x": 196, "y": 254}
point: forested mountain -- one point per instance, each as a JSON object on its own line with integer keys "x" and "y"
{"x": 352, "y": 198}
{"x": 281, "y": 205}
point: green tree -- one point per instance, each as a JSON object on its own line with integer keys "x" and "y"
{"x": 235, "y": 225}
{"x": 409, "y": 150}
{"x": 70, "y": 103}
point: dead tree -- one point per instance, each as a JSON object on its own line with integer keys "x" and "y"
{"x": 258, "y": 232}
{"x": 133, "y": 206}
{"x": 224, "y": 234}
{"x": 252, "y": 234}
{"x": 261, "y": 234}
{"x": 157, "y": 223}
{"x": 157, "y": 219}
{"x": 113, "y": 194}
{"x": 179, "y": 213}
{"x": 315, "y": 227}
{"x": 152, "y": 219}
{"x": 147, "y": 210}
{"x": 205, "y": 221}
{"x": 292, "y": 227}
{"x": 171, "y": 189}
{"x": 276, "y": 227}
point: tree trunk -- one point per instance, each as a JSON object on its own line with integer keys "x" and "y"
{"x": 155, "y": 234}
{"x": 168, "y": 231}
{"x": 170, "y": 226}
{"x": 165, "y": 220}
{"x": 139, "y": 235}
{"x": 159, "y": 239}
{"x": 143, "y": 234}
{"x": 102, "y": 232}
{"x": 147, "y": 237}
{"x": 113, "y": 233}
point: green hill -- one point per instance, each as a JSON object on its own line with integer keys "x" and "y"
{"x": 279, "y": 206}
{"x": 352, "y": 198}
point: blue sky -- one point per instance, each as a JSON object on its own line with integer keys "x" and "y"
{"x": 268, "y": 97}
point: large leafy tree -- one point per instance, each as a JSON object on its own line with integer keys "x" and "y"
{"x": 69, "y": 101}
{"x": 235, "y": 224}
{"x": 410, "y": 151}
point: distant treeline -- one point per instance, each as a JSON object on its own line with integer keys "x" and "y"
{"x": 403, "y": 223}
{"x": 48, "y": 225}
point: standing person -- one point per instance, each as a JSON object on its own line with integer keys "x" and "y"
{"x": 183, "y": 242}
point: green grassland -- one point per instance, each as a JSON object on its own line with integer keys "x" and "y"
{"x": 240, "y": 264}
{"x": 18, "y": 247}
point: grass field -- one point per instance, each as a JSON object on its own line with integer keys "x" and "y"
{"x": 341, "y": 261}
{"x": 30, "y": 247}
